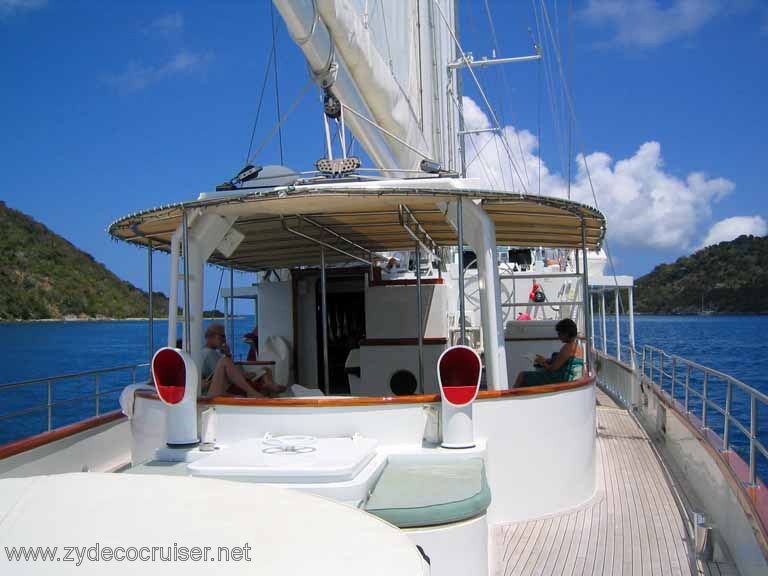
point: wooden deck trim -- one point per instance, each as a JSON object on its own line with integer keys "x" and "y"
{"x": 438, "y": 341}
{"x": 26, "y": 444}
{"x": 322, "y": 402}
{"x": 753, "y": 500}
{"x": 536, "y": 339}
{"x": 406, "y": 282}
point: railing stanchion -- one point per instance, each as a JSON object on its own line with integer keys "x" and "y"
{"x": 674, "y": 373}
{"x": 50, "y": 405}
{"x": 727, "y": 423}
{"x": 704, "y": 401}
{"x": 752, "y": 438}
{"x": 687, "y": 382}
{"x": 97, "y": 395}
{"x": 661, "y": 370}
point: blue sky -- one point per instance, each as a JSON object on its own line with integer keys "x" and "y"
{"x": 112, "y": 107}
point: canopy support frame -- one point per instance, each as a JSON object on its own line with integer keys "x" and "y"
{"x": 309, "y": 238}
{"x": 411, "y": 224}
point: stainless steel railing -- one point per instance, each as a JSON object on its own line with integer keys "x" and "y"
{"x": 676, "y": 377}
{"x": 51, "y": 404}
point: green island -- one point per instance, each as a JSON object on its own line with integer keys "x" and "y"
{"x": 44, "y": 276}
{"x": 725, "y": 278}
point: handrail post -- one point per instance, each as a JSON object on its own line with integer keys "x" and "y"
{"x": 324, "y": 315}
{"x": 727, "y": 424}
{"x": 674, "y": 373}
{"x": 661, "y": 370}
{"x": 704, "y": 401}
{"x": 97, "y": 395}
{"x": 618, "y": 324}
{"x": 50, "y": 405}
{"x": 419, "y": 313}
{"x": 687, "y": 382}
{"x": 752, "y": 438}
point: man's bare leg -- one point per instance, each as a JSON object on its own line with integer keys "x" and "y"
{"x": 227, "y": 373}
{"x": 268, "y": 384}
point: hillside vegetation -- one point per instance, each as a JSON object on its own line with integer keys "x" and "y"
{"x": 44, "y": 276}
{"x": 727, "y": 278}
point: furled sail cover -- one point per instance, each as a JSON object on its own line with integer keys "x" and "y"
{"x": 389, "y": 62}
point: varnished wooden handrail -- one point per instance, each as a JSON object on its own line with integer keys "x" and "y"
{"x": 436, "y": 341}
{"x": 323, "y": 402}
{"x": 26, "y": 444}
{"x": 406, "y": 282}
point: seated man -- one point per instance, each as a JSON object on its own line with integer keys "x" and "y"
{"x": 386, "y": 265}
{"x": 219, "y": 372}
{"x": 566, "y": 365}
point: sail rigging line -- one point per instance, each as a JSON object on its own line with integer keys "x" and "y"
{"x": 277, "y": 78}
{"x": 478, "y": 151}
{"x": 501, "y": 71}
{"x": 261, "y": 100}
{"x": 579, "y": 138}
{"x": 218, "y": 291}
{"x": 488, "y": 173}
{"x": 550, "y": 87}
{"x": 285, "y": 116}
{"x": 538, "y": 118}
{"x": 385, "y": 131}
{"x": 480, "y": 89}
{"x": 478, "y": 154}
{"x": 570, "y": 81}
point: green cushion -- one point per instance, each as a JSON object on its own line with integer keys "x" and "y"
{"x": 411, "y": 495}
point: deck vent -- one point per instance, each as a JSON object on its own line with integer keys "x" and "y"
{"x": 177, "y": 378}
{"x": 458, "y": 371}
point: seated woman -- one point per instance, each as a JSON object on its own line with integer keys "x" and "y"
{"x": 566, "y": 365}
{"x": 219, "y": 372}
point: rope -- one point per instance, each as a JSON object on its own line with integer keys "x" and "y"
{"x": 501, "y": 70}
{"x": 277, "y": 127}
{"x": 261, "y": 100}
{"x": 277, "y": 81}
{"x": 578, "y": 136}
{"x": 482, "y": 92}
{"x": 218, "y": 290}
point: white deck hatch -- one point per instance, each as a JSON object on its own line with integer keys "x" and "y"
{"x": 290, "y": 459}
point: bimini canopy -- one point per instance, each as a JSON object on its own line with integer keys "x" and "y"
{"x": 285, "y": 227}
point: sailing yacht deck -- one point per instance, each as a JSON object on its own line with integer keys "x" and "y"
{"x": 632, "y": 526}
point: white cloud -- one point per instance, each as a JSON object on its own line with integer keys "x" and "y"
{"x": 138, "y": 76}
{"x": 11, "y": 7}
{"x": 168, "y": 25}
{"x": 648, "y": 23}
{"x": 645, "y": 205}
{"x": 731, "y": 228}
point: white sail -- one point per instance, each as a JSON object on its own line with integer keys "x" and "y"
{"x": 387, "y": 61}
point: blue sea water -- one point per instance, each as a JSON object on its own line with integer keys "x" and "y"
{"x": 46, "y": 349}
{"x": 735, "y": 345}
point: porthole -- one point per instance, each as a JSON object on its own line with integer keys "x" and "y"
{"x": 403, "y": 383}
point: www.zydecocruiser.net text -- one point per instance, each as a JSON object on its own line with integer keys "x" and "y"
{"x": 98, "y": 553}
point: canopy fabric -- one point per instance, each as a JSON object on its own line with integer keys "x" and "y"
{"x": 363, "y": 220}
